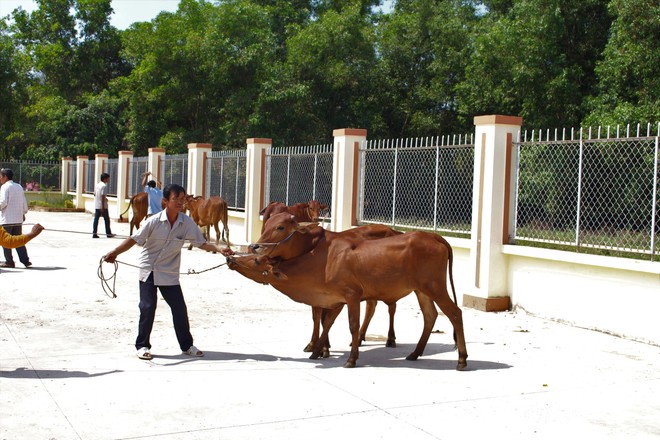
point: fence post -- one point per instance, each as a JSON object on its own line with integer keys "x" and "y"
{"x": 123, "y": 176}
{"x": 254, "y": 185}
{"x": 153, "y": 164}
{"x": 490, "y": 212}
{"x": 196, "y": 169}
{"x": 64, "y": 176}
{"x": 81, "y": 162}
{"x": 344, "y": 178}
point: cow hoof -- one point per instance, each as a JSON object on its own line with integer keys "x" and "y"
{"x": 390, "y": 343}
{"x": 461, "y": 366}
{"x": 412, "y": 357}
{"x": 349, "y": 364}
{"x": 309, "y": 348}
{"x": 314, "y": 356}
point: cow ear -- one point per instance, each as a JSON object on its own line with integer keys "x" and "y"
{"x": 305, "y": 227}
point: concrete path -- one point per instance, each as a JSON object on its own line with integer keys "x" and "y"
{"x": 68, "y": 368}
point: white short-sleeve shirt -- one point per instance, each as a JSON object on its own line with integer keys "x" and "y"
{"x": 100, "y": 190}
{"x": 161, "y": 246}
{"x": 13, "y": 205}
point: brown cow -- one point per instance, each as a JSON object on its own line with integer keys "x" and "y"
{"x": 323, "y": 269}
{"x": 140, "y": 204}
{"x": 207, "y": 212}
{"x": 303, "y": 212}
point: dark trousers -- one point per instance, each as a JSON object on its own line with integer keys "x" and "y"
{"x": 173, "y": 295}
{"x": 21, "y": 251}
{"x": 106, "y": 219}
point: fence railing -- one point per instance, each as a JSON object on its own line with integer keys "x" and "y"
{"x": 299, "y": 174}
{"x": 421, "y": 183}
{"x": 225, "y": 177}
{"x": 174, "y": 169}
{"x": 35, "y": 175}
{"x": 90, "y": 178}
{"x": 136, "y": 166}
{"x": 589, "y": 190}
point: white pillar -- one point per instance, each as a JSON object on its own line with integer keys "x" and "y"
{"x": 196, "y": 168}
{"x": 123, "y": 176}
{"x": 82, "y": 163}
{"x": 254, "y": 186}
{"x": 491, "y": 212}
{"x": 344, "y": 179}
{"x": 154, "y": 160}
{"x": 64, "y": 176}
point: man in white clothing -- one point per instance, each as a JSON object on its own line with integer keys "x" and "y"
{"x": 101, "y": 206}
{"x": 13, "y": 208}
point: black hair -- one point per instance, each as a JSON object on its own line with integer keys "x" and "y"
{"x": 8, "y": 173}
{"x": 151, "y": 183}
{"x": 105, "y": 176}
{"x": 172, "y": 188}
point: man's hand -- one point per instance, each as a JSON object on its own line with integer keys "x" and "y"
{"x": 36, "y": 230}
{"x": 226, "y": 252}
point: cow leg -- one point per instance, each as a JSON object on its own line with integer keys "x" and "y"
{"x": 225, "y": 228}
{"x": 322, "y": 345}
{"x": 391, "y": 337}
{"x": 316, "y": 318}
{"x": 368, "y": 314}
{"x": 430, "y": 314}
{"x": 354, "y": 327}
{"x": 217, "y": 233}
{"x": 455, "y": 315}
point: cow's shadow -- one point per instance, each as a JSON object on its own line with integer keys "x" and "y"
{"x": 395, "y": 357}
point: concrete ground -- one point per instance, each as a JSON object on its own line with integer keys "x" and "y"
{"x": 68, "y": 368}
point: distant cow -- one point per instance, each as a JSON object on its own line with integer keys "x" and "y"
{"x": 303, "y": 212}
{"x": 140, "y": 204}
{"x": 207, "y": 212}
{"x": 323, "y": 269}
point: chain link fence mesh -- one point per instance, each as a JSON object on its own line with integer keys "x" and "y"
{"x": 225, "y": 177}
{"x": 422, "y": 183}
{"x": 299, "y": 174}
{"x": 589, "y": 193}
{"x": 136, "y": 167}
{"x": 174, "y": 169}
{"x": 36, "y": 176}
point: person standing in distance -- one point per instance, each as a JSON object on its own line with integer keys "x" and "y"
{"x": 162, "y": 237}
{"x": 101, "y": 206}
{"x": 155, "y": 194}
{"x": 13, "y": 207}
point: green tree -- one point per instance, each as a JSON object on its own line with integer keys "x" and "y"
{"x": 537, "y": 61}
{"x": 423, "y": 52}
{"x": 629, "y": 73}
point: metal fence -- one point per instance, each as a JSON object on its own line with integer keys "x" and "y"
{"x": 136, "y": 167}
{"x": 36, "y": 176}
{"x": 225, "y": 177}
{"x": 174, "y": 169}
{"x": 90, "y": 178}
{"x": 589, "y": 190}
{"x": 299, "y": 174}
{"x": 73, "y": 177}
{"x": 111, "y": 167}
{"x": 422, "y": 183}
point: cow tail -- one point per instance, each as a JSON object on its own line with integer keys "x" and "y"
{"x": 130, "y": 203}
{"x": 451, "y": 272}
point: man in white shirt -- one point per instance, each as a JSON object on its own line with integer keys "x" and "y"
{"x": 101, "y": 206}
{"x": 13, "y": 208}
{"x": 162, "y": 236}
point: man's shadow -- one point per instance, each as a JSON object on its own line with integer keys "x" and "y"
{"x": 27, "y": 373}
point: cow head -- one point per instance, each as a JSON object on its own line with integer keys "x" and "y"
{"x": 283, "y": 237}
{"x": 256, "y": 268}
{"x": 314, "y": 209}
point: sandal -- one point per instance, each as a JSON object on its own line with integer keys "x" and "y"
{"x": 144, "y": 353}
{"x": 194, "y": 351}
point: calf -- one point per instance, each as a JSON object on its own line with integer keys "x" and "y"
{"x": 303, "y": 212}
{"x": 207, "y": 212}
{"x": 140, "y": 204}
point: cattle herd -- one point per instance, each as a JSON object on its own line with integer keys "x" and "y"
{"x": 329, "y": 270}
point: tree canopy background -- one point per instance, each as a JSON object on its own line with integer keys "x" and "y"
{"x": 293, "y": 70}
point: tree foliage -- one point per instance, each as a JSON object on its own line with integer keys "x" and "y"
{"x": 223, "y": 71}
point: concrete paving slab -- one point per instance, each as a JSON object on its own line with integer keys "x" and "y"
{"x": 68, "y": 368}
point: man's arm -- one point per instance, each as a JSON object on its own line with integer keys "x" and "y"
{"x": 145, "y": 178}
{"x": 213, "y": 248}
{"x": 125, "y": 245}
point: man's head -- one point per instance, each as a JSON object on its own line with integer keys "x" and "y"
{"x": 174, "y": 197}
{"x": 105, "y": 177}
{"x": 6, "y": 174}
{"x": 151, "y": 184}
